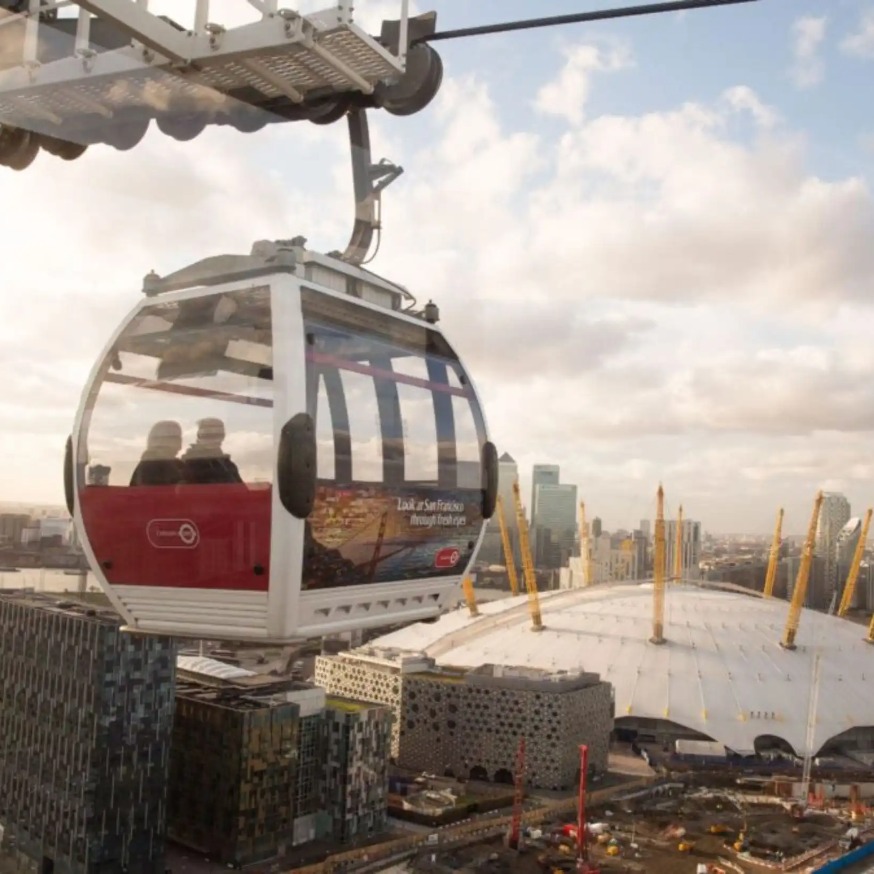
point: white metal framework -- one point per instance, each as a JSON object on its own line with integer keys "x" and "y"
{"x": 62, "y": 73}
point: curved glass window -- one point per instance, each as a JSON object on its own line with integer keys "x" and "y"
{"x": 176, "y": 449}
{"x": 401, "y": 496}
{"x": 186, "y": 396}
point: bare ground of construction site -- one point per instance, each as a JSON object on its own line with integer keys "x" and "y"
{"x": 647, "y": 834}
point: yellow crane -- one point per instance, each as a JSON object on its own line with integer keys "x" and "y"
{"x": 509, "y": 559}
{"x": 794, "y": 617}
{"x": 678, "y": 548}
{"x": 658, "y": 601}
{"x": 527, "y": 562}
{"x": 585, "y": 547}
{"x": 853, "y": 575}
{"x": 774, "y": 558}
{"x": 469, "y": 596}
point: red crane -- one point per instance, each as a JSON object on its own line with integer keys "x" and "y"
{"x": 518, "y": 797}
{"x": 583, "y": 866}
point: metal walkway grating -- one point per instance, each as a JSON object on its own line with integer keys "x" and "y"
{"x": 284, "y": 55}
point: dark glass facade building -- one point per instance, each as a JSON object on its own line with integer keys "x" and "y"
{"x": 86, "y": 716}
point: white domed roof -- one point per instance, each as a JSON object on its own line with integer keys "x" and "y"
{"x": 722, "y": 671}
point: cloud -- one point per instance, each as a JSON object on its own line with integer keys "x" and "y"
{"x": 567, "y": 95}
{"x": 742, "y": 98}
{"x": 674, "y": 294}
{"x": 860, "y": 43}
{"x": 808, "y": 34}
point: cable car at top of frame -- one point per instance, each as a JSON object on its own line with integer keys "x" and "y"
{"x": 277, "y": 445}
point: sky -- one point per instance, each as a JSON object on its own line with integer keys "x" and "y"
{"x": 651, "y": 241}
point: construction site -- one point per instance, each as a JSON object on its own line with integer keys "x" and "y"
{"x": 666, "y": 830}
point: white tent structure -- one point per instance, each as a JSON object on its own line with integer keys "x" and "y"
{"x": 722, "y": 671}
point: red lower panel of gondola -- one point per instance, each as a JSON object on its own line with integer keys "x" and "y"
{"x": 193, "y": 536}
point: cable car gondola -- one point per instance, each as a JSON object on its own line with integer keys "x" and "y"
{"x": 272, "y": 447}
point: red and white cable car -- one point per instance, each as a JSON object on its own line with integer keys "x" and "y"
{"x": 272, "y": 447}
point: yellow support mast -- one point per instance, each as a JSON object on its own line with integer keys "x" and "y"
{"x": 658, "y": 601}
{"x": 527, "y": 562}
{"x": 585, "y": 546}
{"x": 870, "y": 637}
{"x": 794, "y": 617}
{"x": 509, "y": 559}
{"x": 678, "y": 548}
{"x": 774, "y": 557}
{"x": 467, "y": 585}
{"x": 853, "y": 575}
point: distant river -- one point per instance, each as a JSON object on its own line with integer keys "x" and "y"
{"x": 46, "y": 580}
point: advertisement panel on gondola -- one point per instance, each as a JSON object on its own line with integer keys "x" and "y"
{"x": 370, "y": 534}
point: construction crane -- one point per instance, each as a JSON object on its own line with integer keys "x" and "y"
{"x": 527, "y": 562}
{"x": 515, "y": 836}
{"x": 583, "y": 866}
{"x": 585, "y": 547}
{"x": 678, "y": 547}
{"x": 774, "y": 557}
{"x": 658, "y": 601}
{"x": 853, "y": 575}
{"x": 509, "y": 558}
{"x": 798, "y": 595}
{"x": 467, "y": 585}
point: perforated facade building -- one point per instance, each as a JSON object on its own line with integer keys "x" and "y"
{"x": 468, "y": 724}
{"x": 86, "y": 716}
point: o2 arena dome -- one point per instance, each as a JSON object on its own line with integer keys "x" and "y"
{"x": 721, "y": 673}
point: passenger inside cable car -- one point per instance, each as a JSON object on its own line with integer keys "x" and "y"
{"x": 204, "y": 461}
{"x": 160, "y": 465}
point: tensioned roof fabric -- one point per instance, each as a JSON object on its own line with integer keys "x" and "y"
{"x": 722, "y": 671}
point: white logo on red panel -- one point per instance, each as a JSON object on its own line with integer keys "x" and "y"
{"x": 446, "y": 558}
{"x": 172, "y": 534}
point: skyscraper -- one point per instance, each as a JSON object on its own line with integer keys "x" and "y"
{"x": 835, "y": 513}
{"x": 555, "y": 524}
{"x": 492, "y": 549}
{"x": 848, "y": 538}
{"x": 691, "y": 547}
{"x": 541, "y": 475}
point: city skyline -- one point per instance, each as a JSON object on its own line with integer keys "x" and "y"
{"x": 795, "y": 521}
{"x": 647, "y": 240}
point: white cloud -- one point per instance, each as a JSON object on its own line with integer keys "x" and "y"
{"x": 643, "y": 297}
{"x": 742, "y": 98}
{"x": 808, "y": 34}
{"x": 567, "y": 95}
{"x": 860, "y": 43}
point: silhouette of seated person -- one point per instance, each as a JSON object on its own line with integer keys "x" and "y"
{"x": 204, "y": 461}
{"x": 159, "y": 465}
